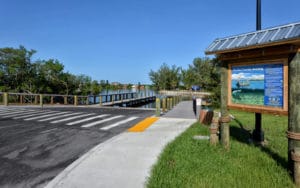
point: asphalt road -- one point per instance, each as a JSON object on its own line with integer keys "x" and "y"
{"x": 38, "y": 143}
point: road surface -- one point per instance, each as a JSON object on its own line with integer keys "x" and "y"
{"x": 38, "y": 143}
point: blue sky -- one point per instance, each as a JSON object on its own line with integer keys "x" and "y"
{"x": 122, "y": 40}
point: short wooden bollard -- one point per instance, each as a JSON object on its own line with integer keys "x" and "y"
{"x": 100, "y": 100}
{"x": 41, "y": 101}
{"x": 21, "y": 99}
{"x": 157, "y": 107}
{"x": 214, "y": 128}
{"x": 168, "y": 104}
{"x": 5, "y": 99}
{"x": 171, "y": 103}
{"x": 112, "y": 99}
{"x": 174, "y": 101}
{"x": 36, "y": 99}
{"x": 75, "y": 100}
{"x": 65, "y": 100}
{"x": 164, "y": 105}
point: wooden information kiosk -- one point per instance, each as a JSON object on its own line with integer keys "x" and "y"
{"x": 260, "y": 73}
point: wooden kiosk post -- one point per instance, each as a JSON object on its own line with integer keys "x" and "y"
{"x": 225, "y": 119}
{"x": 260, "y": 73}
{"x": 293, "y": 132}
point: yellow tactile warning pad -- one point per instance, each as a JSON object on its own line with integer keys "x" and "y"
{"x": 142, "y": 125}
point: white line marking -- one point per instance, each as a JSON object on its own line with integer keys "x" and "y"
{"x": 71, "y": 118}
{"x": 6, "y": 110}
{"x": 40, "y": 117}
{"x": 118, "y": 123}
{"x": 13, "y": 112}
{"x": 24, "y": 113}
{"x": 12, "y": 109}
{"x": 87, "y": 119}
{"x": 34, "y": 114}
{"x": 49, "y": 130}
{"x": 101, "y": 121}
{"x": 56, "y": 117}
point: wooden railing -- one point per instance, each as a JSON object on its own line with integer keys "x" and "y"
{"x": 7, "y": 98}
{"x": 185, "y": 93}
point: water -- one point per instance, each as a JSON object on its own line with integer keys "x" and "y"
{"x": 253, "y": 84}
{"x": 129, "y": 95}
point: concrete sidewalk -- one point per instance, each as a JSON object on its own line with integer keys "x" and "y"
{"x": 125, "y": 160}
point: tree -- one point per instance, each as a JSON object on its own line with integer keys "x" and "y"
{"x": 84, "y": 84}
{"x": 205, "y": 73}
{"x": 50, "y": 77}
{"x": 15, "y": 68}
{"x": 95, "y": 88}
{"x": 166, "y": 77}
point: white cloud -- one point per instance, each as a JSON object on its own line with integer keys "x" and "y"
{"x": 238, "y": 76}
{"x": 243, "y": 76}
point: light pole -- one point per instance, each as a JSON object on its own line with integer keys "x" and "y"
{"x": 258, "y": 134}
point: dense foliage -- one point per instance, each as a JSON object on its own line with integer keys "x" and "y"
{"x": 166, "y": 77}
{"x": 203, "y": 72}
{"x": 18, "y": 73}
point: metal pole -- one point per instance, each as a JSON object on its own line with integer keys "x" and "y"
{"x": 258, "y": 15}
{"x": 258, "y": 134}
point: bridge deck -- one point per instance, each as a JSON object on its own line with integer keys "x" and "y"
{"x": 182, "y": 110}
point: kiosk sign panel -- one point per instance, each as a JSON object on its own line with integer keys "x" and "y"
{"x": 273, "y": 85}
{"x": 258, "y": 84}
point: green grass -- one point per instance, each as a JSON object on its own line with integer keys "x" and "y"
{"x": 187, "y": 162}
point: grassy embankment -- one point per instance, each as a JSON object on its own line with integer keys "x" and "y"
{"x": 187, "y": 162}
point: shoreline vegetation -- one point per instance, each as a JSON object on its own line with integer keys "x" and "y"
{"x": 20, "y": 74}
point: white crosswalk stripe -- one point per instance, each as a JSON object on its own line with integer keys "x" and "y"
{"x": 35, "y": 114}
{"x": 13, "y": 112}
{"x": 87, "y": 119}
{"x": 23, "y": 113}
{"x": 82, "y": 119}
{"x": 44, "y": 116}
{"x": 11, "y": 109}
{"x": 118, "y": 123}
{"x": 61, "y": 116}
{"x": 101, "y": 121}
{"x": 71, "y": 118}
{"x": 6, "y": 115}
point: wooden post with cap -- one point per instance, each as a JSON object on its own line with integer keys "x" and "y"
{"x": 293, "y": 132}
{"x": 225, "y": 119}
{"x": 5, "y": 99}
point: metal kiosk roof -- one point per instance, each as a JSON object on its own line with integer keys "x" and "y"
{"x": 286, "y": 34}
